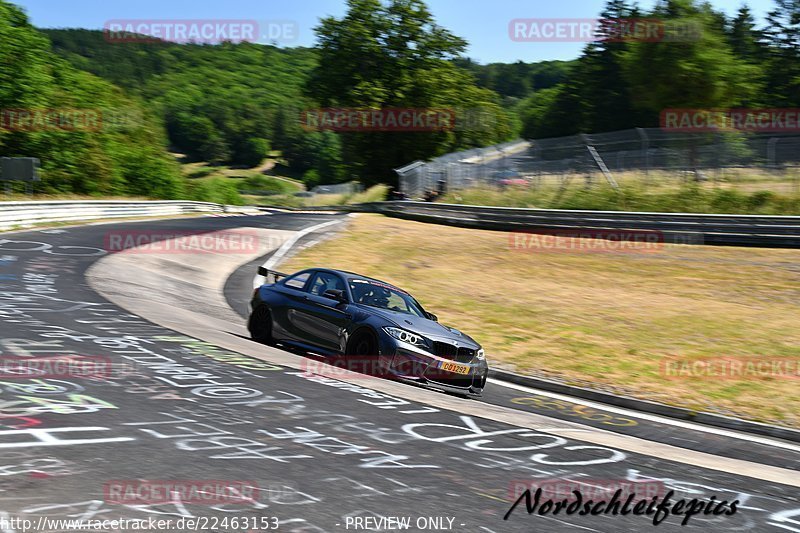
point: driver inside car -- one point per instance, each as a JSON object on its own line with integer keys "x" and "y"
{"x": 377, "y": 297}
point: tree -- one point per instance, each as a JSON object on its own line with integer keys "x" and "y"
{"x": 697, "y": 72}
{"x": 603, "y": 90}
{"x": 106, "y": 158}
{"x": 744, "y": 37}
{"x": 219, "y": 102}
{"x": 388, "y": 56}
{"x": 783, "y": 38}
{"x": 595, "y": 96}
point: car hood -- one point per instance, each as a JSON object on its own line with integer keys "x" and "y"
{"x": 423, "y": 326}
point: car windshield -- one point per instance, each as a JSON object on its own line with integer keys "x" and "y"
{"x": 384, "y": 296}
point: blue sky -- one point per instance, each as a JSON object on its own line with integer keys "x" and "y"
{"x": 484, "y": 23}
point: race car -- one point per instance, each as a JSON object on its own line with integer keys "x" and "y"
{"x": 373, "y": 326}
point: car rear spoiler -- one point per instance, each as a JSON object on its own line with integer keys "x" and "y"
{"x": 263, "y": 271}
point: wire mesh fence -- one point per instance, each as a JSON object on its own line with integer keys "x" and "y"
{"x": 459, "y": 170}
{"x": 339, "y": 188}
{"x": 650, "y": 153}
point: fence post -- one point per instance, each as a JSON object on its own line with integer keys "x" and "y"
{"x": 645, "y": 142}
{"x": 587, "y": 164}
{"x": 771, "y": 158}
{"x": 719, "y": 144}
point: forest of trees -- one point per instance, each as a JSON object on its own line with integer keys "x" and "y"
{"x": 514, "y": 81}
{"x": 233, "y": 103}
{"x": 218, "y": 103}
{"x": 619, "y": 85}
{"x": 129, "y": 159}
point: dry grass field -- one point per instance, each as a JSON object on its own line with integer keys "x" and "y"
{"x": 608, "y": 320}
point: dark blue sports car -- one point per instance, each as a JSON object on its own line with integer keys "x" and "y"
{"x": 371, "y": 325}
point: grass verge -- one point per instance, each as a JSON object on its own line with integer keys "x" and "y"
{"x": 375, "y": 193}
{"x": 672, "y": 196}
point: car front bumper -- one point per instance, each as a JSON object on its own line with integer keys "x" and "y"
{"x": 412, "y": 363}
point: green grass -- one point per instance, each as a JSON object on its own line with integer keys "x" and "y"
{"x": 267, "y": 184}
{"x": 375, "y": 193}
{"x": 230, "y": 185}
{"x": 281, "y": 200}
{"x": 752, "y": 196}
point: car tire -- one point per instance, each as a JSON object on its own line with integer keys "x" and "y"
{"x": 363, "y": 343}
{"x": 260, "y": 325}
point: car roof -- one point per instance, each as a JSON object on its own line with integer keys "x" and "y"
{"x": 352, "y": 275}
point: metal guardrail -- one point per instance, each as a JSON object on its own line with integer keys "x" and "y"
{"x": 711, "y": 419}
{"x": 21, "y": 214}
{"x": 682, "y": 228}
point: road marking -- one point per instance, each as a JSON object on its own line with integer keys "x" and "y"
{"x": 652, "y": 418}
{"x": 188, "y": 321}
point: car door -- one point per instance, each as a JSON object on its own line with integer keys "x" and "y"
{"x": 322, "y": 319}
{"x": 293, "y": 296}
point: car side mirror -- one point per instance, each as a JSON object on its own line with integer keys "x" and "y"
{"x": 433, "y": 317}
{"x": 335, "y": 294}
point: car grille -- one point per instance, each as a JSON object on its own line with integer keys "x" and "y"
{"x": 451, "y": 351}
{"x": 462, "y": 382}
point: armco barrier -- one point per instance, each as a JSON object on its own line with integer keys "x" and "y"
{"x": 684, "y": 228}
{"x": 25, "y": 214}
{"x": 645, "y": 406}
{"x": 766, "y": 231}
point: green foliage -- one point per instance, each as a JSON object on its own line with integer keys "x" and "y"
{"x": 216, "y": 190}
{"x": 689, "y": 197}
{"x": 394, "y": 55}
{"x": 782, "y": 36}
{"x": 696, "y": 73}
{"x": 515, "y": 81}
{"x": 376, "y": 193}
{"x": 318, "y": 151}
{"x": 311, "y": 178}
{"x": 218, "y": 102}
{"x": 200, "y": 173}
{"x": 123, "y": 155}
{"x": 252, "y": 151}
{"x": 538, "y": 115}
{"x": 230, "y": 104}
{"x": 266, "y": 184}
{"x": 745, "y": 39}
{"x": 618, "y": 85}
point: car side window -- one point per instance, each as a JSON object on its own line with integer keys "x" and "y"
{"x": 298, "y": 281}
{"x": 324, "y": 281}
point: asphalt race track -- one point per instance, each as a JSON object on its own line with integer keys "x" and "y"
{"x": 305, "y": 454}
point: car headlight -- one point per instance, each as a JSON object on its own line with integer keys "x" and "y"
{"x": 405, "y": 336}
{"x": 481, "y": 355}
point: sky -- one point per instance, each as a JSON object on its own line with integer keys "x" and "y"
{"x": 483, "y": 23}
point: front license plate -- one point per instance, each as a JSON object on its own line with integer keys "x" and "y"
{"x": 453, "y": 367}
